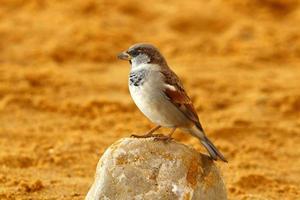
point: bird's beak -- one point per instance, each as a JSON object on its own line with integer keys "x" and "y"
{"x": 124, "y": 56}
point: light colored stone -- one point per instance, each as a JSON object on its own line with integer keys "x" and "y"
{"x": 142, "y": 169}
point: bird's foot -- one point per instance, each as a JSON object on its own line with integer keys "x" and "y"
{"x": 163, "y": 138}
{"x": 147, "y": 135}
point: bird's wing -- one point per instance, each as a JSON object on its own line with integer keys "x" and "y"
{"x": 176, "y": 94}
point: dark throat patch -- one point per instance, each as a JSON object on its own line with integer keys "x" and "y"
{"x": 137, "y": 78}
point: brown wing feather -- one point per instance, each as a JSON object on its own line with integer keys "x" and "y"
{"x": 179, "y": 96}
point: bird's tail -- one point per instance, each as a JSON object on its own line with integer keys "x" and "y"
{"x": 214, "y": 153}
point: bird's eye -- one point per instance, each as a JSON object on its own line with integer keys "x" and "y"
{"x": 134, "y": 53}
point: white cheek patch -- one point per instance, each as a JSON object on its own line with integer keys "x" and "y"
{"x": 140, "y": 59}
{"x": 144, "y": 58}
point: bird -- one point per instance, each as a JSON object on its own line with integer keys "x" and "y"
{"x": 158, "y": 92}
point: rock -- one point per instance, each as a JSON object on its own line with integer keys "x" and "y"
{"x": 141, "y": 169}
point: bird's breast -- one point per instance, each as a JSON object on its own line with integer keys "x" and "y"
{"x": 149, "y": 97}
{"x": 146, "y": 89}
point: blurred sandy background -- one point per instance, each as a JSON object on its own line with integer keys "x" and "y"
{"x": 64, "y": 96}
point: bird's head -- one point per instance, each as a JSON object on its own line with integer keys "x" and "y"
{"x": 142, "y": 53}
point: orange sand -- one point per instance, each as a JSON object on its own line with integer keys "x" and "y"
{"x": 64, "y": 96}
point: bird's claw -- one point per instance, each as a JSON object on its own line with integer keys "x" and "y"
{"x": 140, "y": 136}
{"x": 163, "y": 138}
{"x": 157, "y": 137}
{"x": 147, "y": 136}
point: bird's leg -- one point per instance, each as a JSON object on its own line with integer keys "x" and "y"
{"x": 168, "y": 137}
{"x": 149, "y": 133}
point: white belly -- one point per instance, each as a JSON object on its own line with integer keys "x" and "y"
{"x": 150, "y": 99}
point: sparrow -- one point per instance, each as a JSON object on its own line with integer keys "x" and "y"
{"x": 159, "y": 94}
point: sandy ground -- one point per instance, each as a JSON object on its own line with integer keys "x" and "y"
{"x": 64, "y": 96}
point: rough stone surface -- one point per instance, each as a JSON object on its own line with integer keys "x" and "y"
{"x": 146, "y": 169}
